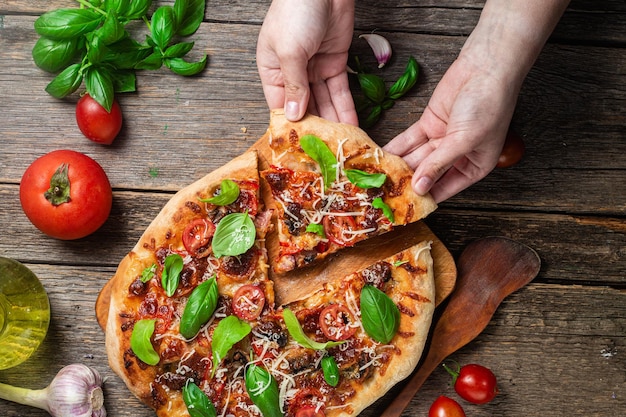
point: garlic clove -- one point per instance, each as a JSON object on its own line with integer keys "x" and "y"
{"x": 380, "y": 46}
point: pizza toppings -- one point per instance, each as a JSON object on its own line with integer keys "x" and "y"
{"x": 263, "y": 390}
{"x": 337, "y": 323}
{"x": 234, "y": 235}
{"x": 197, "y": 237}
{"x": 379, "y": 314}
{"x": 141, "y": 343}
{"x": 248, "y": 302}
{"x": 199, "y": 308}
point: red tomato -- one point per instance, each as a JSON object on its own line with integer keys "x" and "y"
{"x": 334, "y": 227}
{"x": 337, "y": 323}
{"x": 248, "y": 302}
{"x": 476, "y": 384}
{"x": 512, "y": 151}
{"x": 197, "y": 237}
{"x": 445, "y": 407}
{"x": 95, "y": 122}
{"x": 309, "y": 411}
{"x": 66, "y": 194}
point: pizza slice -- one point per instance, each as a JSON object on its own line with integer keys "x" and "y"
{"x": 332, "y": 186}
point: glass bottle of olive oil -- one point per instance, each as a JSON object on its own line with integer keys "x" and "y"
{"x": 24, "y": 313}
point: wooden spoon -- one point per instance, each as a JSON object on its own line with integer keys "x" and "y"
{"x": 489, "y": 270}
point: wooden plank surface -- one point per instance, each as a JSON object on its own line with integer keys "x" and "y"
{"x": 557, "y": 345}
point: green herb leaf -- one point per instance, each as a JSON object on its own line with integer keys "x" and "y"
{"x": 372, "y": 117}
{"x": 316, "y": 228}
{"x": 321, "y": 153}
{"x": 52, "y": 55}
{"x": 170, "y": 276}
{"x": 406, "y": 81}
{"x": 154, "y": 61}
{"x": 234, "y": 235}
{"x": 137, "y": 9}
{"x": 372, "y": 86}
{"x": 189, "y": 15}
{"x": 163, "y": 26}
{"x": 331, "y": 370}
{"x": 229, "y": 331}
{"x": 263, "y": 390}
{"x": 66, "y": 82}
{"x": 295, "y": 330}
{"x": 67, "y": 23}
{"x": 229, "y": 192}
{"x": 141, "y": 343}
{"x": 199, "y": 308}
{"x": 364, "y": 179}
{"x": 398, "y": 263}
{"x": 178, "y": 50}
{"x": 148, "y": 273}
{"x": 197, "y": 402}
{"x": 380, "y": 204}
{"x": 181, "y": 67}
{"x": 112, "y": 30}
{"x": 380, "y": 316}
{"x": 124, "y": 81}
{"x": 99, "y": 85}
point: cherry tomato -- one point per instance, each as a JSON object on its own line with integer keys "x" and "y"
{"x": 197, "y": 237}
{"x": 445, "y": 407}
{"x": 309, "y": 411}
{"x": 248, "y": 302}
{"x": 336, "y": 322}
{"x": 308, "y": 403}
{"x": 474, "y": 383}
{"x": 66, "y": 194}
{"x": 334, "y": 227}
{"x": 512, "y": 151}
{"x": 95, "y": 122}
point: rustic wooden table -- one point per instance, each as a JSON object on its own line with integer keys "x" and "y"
{"x": 558, "y": 345}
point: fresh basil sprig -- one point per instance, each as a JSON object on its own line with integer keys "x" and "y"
{"x": 234, "y": 235}
{"x": 229, "y": 191}
{"x": 93, "y": 44}
{"x": 321, "y": 153}
{"x": 330, "y": 370}
{"x": 199, "y": 308}
{"x": 364, "y": 179}
{"x": 387, "y": 211}
{"x": 295, "y": 330}
{"x": 141, "y": 341}
{"x": 197, "y": 402}
{"x": 263, "y": 390}
{"x": 170, "y": 276}
{"x": 229, "y": 331}
{"x": 380, "y": 316}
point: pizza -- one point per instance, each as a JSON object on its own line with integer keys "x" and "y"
{"x": 331, "y": 187}
{"x": 193, "y": 326}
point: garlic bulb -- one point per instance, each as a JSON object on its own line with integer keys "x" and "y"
{"x": 380, "y": 46}
{"x": 76, "y": 391}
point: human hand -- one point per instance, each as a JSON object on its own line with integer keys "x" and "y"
{"x": 302, "y": 54}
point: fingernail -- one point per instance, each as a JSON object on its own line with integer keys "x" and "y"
{"x": 292, "y": 110}
{"x": 422, "y": 186}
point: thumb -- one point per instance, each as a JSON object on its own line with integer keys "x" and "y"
{"x": 297, "y": 92}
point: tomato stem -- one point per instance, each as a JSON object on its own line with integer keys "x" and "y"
{"x": 452, "y": 372}
{"x": 59, "y": 191}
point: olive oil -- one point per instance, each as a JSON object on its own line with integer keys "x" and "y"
{"x": 24, "y": 313}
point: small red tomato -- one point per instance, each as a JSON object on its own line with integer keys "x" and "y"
{"x": 337, "y": 323}
{"x": 445, "y": 407}
{"x": 66, "y": 194}
{"x": 197, "y": 237}
{"x": 474, "y": 383}
{"x": 512, "y": 151}
{"x": 309, "y": 411}
{"x": 248, "y": 302}
{"x": 338, "y": 228}
{"x": 95, "y": 122}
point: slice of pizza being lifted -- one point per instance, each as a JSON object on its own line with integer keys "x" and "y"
{"x": 333, "y": 186}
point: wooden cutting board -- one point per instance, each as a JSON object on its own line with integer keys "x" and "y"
{"x": 297, "y": 284}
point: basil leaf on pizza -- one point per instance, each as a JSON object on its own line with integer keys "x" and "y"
{"x": 141, "y": 341}
{"x": 229, "y": 331}
{"x": 234, "y": 235}
{"x": 316, "y": 228}
{"x": 380, "y": 204}
{"x": 199, "y": 308}
{"x": 380, "y": 316}
{"x": 197, "y": 402}
{"x": 263, "y": 390}
{"x": 364, "y": 179}
{"x": 229, "y": 192}
{"x": 148, "y": 273}
{"x": 295, "y": 330}
{"x": 321, "y": 153}
{"x": 170, "y": 276}
{"x": 331, "y": 370}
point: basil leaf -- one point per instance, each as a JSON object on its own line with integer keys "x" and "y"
{"x": 66, "y": 82}
{"x": 364, "y": 179}
{"x": 137, "y": 9}
{"x": 141, "y": 344}
{"x": 148, "y": 273}
{"x": 189, "y": 15}
{"x": 126, "y": 53}
{"x": 406, "y": 81}
{"x": 178, "y": 50}
{"x": 331, "y": 370}
{"x": 199, "y": 308}
{"x": 162, "y": 26}
{"x": 316, "y": 228}
{"x": 117, "y": 6}
{"x": 295, "y": 330}
{"x": 181, "y": 67}
{"x": 112, "y": 30}
{"x": 197, "y": 402}
{"x": 380, "y": 204}
{"x": 229, "y": 192}
{"x": 100, "y": 87}
{"x": 154, "y": 61}
{"x": 372, "y": 117}
{"x": 170, "y": 276}
{"x": 372, "y": 86}
{"x": 263, "y": 390}
{"x": 234, "y": 235}
{"x": 67, "y": 23}
{"x": 52, "y": 55}
{"x": 321, "y": 153}
{"x": 229, "y": 331}
{"x": 380, "y": 316}
{"x": 124, "y": 81}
